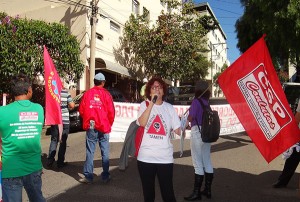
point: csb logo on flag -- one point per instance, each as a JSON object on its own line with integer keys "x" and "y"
{"x": 269, "y": 112}
{"x": 52, "y": 86}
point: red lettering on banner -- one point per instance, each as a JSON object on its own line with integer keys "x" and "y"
{"x": 224, "y": 111}
{"x": 124, "y": 111}
{"x": 117, "y": 110}
{"x": 127, "y": 111}
{"x": 231, "y": 122}
{"x": 181, "y": 110}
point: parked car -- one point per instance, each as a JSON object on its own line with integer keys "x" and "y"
{"x": 117, "y": 95}
{"x": 182, "y": 95}
{"x": 75, "y": 118}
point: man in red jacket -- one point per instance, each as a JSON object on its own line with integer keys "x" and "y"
{"x": 98, "y": 113}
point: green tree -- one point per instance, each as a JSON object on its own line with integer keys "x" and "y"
{"x": 173, "y": 47}
{"x": 215, "y": 78}
{"x": 21, "y": 49}
{"x": 280, "y": 21}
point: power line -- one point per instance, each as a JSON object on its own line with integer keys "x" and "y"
{"x": 71, "y": 2}
{"x": 227, "y": 11}
{"x": 228, "y": 2}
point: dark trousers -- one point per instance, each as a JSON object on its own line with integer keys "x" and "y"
{"x": 54, "y": 142}
{"x": 290, "y": 167}
{"x": 164, "y": 173}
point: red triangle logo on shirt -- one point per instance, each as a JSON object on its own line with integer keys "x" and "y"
{"x": 156, "y": 127}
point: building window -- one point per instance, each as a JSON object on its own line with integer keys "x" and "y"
{"x": 135, "y": 7}
{"x": 99, "y": 36}
{"x": 114, "y": 26}
{"x": 146, "y": 13}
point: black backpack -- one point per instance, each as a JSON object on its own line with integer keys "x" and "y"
{"x": 210, "y": 127}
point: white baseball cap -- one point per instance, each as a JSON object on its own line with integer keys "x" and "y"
{"x": 99, "y": 77}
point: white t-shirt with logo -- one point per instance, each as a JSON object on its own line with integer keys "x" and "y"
{"x": 156, "y": 146}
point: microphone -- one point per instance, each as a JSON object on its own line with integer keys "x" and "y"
{"x": 154, "y": 98}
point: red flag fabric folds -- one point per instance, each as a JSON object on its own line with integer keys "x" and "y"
{"x": 53, "y": 88}
{"x": 254, "y": 92}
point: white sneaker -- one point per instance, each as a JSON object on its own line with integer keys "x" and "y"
{"x": 85, "y": 180}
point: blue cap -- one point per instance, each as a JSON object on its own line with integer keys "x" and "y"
{"x": 99, "y": 77}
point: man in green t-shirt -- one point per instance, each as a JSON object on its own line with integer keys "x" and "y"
{"x": 21, "y": 125}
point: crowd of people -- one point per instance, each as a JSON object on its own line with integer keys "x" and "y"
{"x": 21, "y": 150}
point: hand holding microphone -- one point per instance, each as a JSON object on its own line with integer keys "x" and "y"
{"x": 154, "y": 98}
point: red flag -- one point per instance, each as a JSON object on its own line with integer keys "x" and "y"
{"x": 53, "y": 88}
{"x": 254, "y": 92}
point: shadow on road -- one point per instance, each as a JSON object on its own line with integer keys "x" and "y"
{"x": 229, "y": 185}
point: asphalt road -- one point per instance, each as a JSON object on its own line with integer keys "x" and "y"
{"x": 241, "y": 175}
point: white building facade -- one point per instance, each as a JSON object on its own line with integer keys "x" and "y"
{"x": 217, "y": 46}
{"x": 111, "y": 17}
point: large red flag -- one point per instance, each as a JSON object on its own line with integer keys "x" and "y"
{"x": 254, "y": 92}
{"x": 53, "y": 88}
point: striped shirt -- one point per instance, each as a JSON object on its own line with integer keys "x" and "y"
{"x": 65, "y": 98}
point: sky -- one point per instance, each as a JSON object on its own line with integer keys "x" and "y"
{"x": 227, "y": 13}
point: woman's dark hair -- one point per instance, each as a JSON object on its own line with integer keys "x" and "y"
{"x": 19, "y": 85}
{"x": 151, "y": 82}
{"x": 206, "y": 94}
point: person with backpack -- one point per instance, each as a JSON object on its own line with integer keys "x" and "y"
{"x": 200, "y": 150}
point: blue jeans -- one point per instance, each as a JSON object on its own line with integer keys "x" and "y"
{"x": 62, "y": 145}
{"x": 12, "y": 188}
{"x": 92, "y": 137}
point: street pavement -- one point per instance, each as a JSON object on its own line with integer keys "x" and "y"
{"x": 241, "y": 174}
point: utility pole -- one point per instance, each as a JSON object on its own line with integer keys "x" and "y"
{"x": 211, "y": 47}
{"x": 93, "y": 22}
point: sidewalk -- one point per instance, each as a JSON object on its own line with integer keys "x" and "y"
{"x": 241, "y": 175}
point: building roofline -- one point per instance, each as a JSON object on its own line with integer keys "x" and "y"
{"x": 205, "y": 6}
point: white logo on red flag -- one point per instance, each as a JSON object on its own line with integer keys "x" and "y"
{"x": 269, "y": 112}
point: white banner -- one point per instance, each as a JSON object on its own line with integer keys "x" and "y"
{"x": 127, "y": 112}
